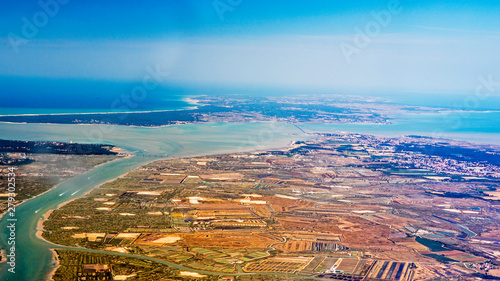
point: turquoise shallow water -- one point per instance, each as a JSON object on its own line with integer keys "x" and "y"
{"x": 479, "y": 127}
{"x": 43, "y": 111}
{"x": 192, "y": 139}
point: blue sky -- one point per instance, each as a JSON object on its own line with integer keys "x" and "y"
{"x": 425, "y": 46}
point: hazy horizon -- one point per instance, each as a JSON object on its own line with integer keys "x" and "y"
{"x": 364, "y": 46}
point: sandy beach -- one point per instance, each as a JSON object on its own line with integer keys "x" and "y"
{"x": 193, "y": 102}
{"x": 55, "y": 186}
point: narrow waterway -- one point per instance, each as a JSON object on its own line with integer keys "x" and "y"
{"x": 33, "y": 257}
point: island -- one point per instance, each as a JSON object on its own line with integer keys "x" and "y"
{"x": 241, "y": 108}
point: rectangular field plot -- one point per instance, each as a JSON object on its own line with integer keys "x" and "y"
{"x": 282, "y": 265}
{"x": 326, "y": 264}
{"x": 346, "y": 265}
{"x": 389, "y": 270}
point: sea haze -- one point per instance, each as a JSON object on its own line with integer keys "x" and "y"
{"x": 52, "y": 96}
{"x": 49, "y": 96}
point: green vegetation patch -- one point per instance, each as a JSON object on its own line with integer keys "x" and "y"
{"x": 71, "y": 266}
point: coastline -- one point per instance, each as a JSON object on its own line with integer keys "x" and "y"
{"x": 57, "y": 262}
{"x": 104, "y": 124}
{"x": 193, "y": 104}
{"x": 188, "y": 123}
{"x": 40, "y": 228}
{"x": 55, "y": 256}
{"x": 55, "y": 186}
{"x": 478, "y": 138}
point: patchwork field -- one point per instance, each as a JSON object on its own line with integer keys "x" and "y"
{"x": 313, "y": 209}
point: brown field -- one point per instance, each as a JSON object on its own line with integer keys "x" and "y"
{"x": 228, "y": 240}
{"x": 314, "y": 264}
{"x": 215, "y": 239}
{"x": 347, "y": 265}
{"x": 292, "y": 223}
{"x": 495, "y": 233}
{"x": 164, "y": 178}
{"x": 295, "y": 246}
{"x": 413, "y": 244}
{"x": 461, "y": 256}
{"x": 495, "y": 272}
{"x": 283, "y": 204}
{"x": 222, "y": 176}
{"x": 262, "y": 211}
{"x": 493, "y": 195}
{"x": 157, "y": 239}
{"x": 326, "y": 264}
{"x": 429, "y": 271}
{"x": 279, "y": 264}
{"x": 405, "y": 254}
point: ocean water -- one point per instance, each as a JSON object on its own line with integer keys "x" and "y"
{"x": 48, "y": 96}
{"x": 460, "y": 101}
{"x": 478, "y": 127}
